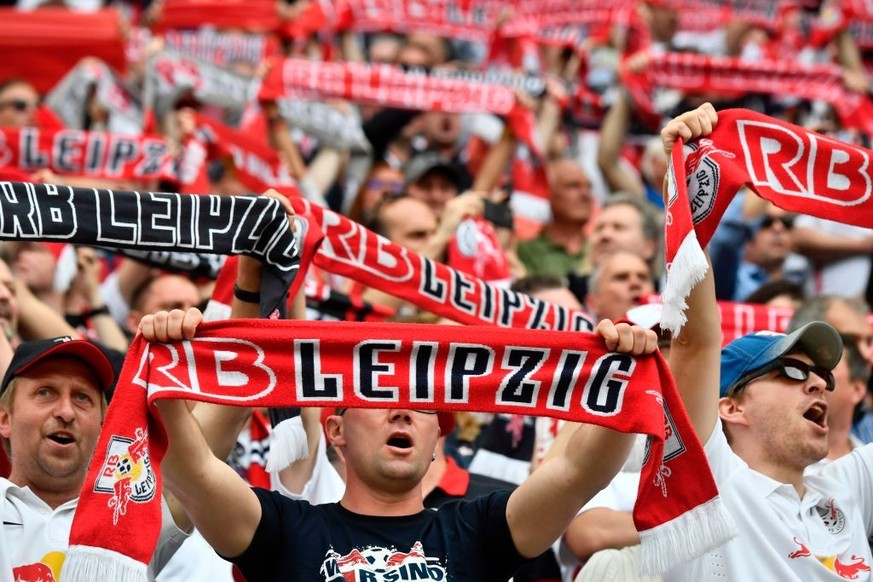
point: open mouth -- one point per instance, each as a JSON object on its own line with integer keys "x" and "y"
{"x": 817, "y": 413}
{"x": 400, "y": 441}
{"x": 62, "y": 438}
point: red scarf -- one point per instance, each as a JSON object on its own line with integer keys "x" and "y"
{"x": 726, "y": 75}
{"x": 798, "y": 170}
{"x": 95, "y": 154}
{"x": 404, "y": 365}
{"x": 343, "y": 247}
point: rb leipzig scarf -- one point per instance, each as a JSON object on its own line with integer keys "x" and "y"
{"x": 795, "y": 169}
{"x": 258, "y": 363}
{"x": 142, "y": 221}
{"x": 94, "y": 154}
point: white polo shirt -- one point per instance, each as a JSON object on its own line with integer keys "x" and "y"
{"x": 34, "y": 537}
{"x": 782, "y": 537}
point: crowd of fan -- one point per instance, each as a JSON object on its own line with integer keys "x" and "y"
{"x": 576, "y": 224}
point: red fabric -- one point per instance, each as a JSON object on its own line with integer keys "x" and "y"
{"x": 346, "y": 248}
{"x": 383, "y": 85}
{"x": 259, "y": 431}
{"x": 119, "y": 507}
{"x": 455, "y": 480}
{"x": 48, "y": 42}
{"x": 256, "y": 164}
{"x": 255, "y": 16}
{"x": 476, "y": 251}
{"x": 730, "y": 76}
{"x": 797, "y": 170}
{"x": 86, "y": 153}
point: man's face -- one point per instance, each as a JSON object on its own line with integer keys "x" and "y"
{"x": 18, "y": 106}
{"x": 852, "y": 326}
{"x": 624, "y": 280}
{"x": 435, "y": 188}
{"x": 846, "y": 395}
{"x": 570, "y": 193}
{"x": 784, "y": 419}
{"x": 619, "y": 228}
{"x": 385, "y": 450}
{"x": 168, "y": 292}
{"x": 35, "y": 265}
{"x": 772, "y": 243}
{"x": 409, "y": 223}
{"x": 8, "y": 302}
{"x": 442, "y": 129}
{"x": 52, "y": 424}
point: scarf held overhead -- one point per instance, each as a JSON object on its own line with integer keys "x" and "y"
{"x": 156, "y": 221}
{"x": 257, "y": 363}
{"x": 795, "y": 169}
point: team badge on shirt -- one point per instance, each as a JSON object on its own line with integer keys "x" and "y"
{"x": 833, "y": 518}
{"x": 381, "y": 565}
{"x": 127, "y": 473}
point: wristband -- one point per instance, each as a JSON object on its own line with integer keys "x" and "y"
{"x": 94, "y": 312}
{"x": 246, "y": 296}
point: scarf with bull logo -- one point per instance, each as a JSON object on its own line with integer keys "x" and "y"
{"x": 795, "y": 169}
{"x": 276, "y": 363}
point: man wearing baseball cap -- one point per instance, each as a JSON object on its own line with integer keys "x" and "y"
{"x": 763, "y": 428}
{"x": 53, "y": 399}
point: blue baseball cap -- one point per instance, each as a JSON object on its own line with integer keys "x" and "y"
{"x": 744, "y": 356}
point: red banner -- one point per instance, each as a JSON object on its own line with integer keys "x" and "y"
{"x": 86, "y": 153}
{"x": 42, "y": 46}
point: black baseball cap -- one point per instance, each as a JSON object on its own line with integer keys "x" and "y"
{"x": 30, "y": 353}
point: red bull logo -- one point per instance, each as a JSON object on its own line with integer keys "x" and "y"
{"x": 127, "y": 473}
{"x": 851, "y": 569}
{"x": 803, "y": 552}
{"x": 376, "y": 564}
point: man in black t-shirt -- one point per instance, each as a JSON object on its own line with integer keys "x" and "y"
{"x": 380, "y": 530}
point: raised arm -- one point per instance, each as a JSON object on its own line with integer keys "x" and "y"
{"x": 695, "y": 354}
{"x": 542, "y": 507}
{"x": 218, "y": 501}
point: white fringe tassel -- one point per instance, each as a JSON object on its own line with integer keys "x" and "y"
{"x": 88, "y": 564}
{"x": 685, "y": 538}
{"x": 687, "y": 270}
{"x": 287, "y": 444}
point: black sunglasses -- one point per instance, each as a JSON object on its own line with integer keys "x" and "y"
{"x": 769, "y": 221}
{"x": 791, "y": 369}
{"x": 18, "y": 104}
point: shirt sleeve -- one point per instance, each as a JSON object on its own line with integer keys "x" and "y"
{"x": 169, "y": 541}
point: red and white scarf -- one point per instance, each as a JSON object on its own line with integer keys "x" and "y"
{"x": 728, "y": 75}
{"x": 795, "y": 169}
{"x": 94, "y": 154}
{"x": 257, "y": 362}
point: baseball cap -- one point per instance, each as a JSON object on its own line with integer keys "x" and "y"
{"x": 741, "y": 358}
{"x": 426, "y": 162}
{"x": 31, "y": 353}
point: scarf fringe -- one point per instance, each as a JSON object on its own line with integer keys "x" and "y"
{"x": 88, "y": 563}
{"x": 288, "y": 444}
{"x": 689, "y": 536}
{"x": 688, "y": 268}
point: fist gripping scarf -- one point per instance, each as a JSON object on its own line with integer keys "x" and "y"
{"x": 276, "y": 363}
{"x": 795, "y": 169}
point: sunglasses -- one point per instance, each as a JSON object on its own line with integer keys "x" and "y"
{"x": 769, "y": 221}
{"x": 20, "y": 105}
{"x": 790, "y": 369}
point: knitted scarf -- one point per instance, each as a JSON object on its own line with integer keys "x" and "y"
{"x": 157, "y": 221}
{"x": 795, "y": 169}
{"x": 290, "y": 363}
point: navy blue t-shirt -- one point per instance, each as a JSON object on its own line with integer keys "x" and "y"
{"x": 465, "y": 541}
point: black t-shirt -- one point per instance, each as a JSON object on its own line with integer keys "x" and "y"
{"x": 465, "y": 541}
